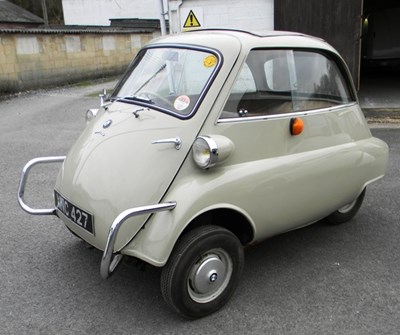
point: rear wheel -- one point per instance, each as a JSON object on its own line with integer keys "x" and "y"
{"x": 347, "y": 212}
{"x": 203, "y": 271}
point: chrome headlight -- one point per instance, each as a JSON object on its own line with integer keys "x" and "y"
{"x": 210, "y": 150}
{"x": 205, "y": 152}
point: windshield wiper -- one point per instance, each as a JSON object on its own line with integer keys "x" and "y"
{"x": 137, "y": 98}
{"x": 151, "y": 77}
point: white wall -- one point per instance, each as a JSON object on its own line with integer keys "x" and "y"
{"x": 99, "y": 12}
{"x": 253, "y": 15}
{"x": 240, "y": 14}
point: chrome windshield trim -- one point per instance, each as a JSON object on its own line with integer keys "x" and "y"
{"x": 24, "y": 178}
{"x": 110, "y": 260}
{"x": 286, "y": 115}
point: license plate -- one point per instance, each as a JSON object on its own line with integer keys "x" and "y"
{"x": 78, "y": 216}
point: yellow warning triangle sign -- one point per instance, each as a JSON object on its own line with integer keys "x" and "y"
{"x": 191, "y": 21}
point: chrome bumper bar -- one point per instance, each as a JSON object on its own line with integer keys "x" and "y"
{"x": 109, "y": 260}
{"x": 24, "y": 178}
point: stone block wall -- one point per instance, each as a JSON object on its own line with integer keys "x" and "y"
{"x": 31, "y": 60}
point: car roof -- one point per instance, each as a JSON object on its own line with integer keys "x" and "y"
{"x": 262, "y": 33}
{"x": 220, "y": 38}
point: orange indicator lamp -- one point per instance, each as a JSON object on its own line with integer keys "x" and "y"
{"x": 296, "y": 126}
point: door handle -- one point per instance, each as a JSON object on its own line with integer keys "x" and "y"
{"x": 176, "y": 141}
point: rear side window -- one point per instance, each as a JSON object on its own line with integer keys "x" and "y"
{"x": 286, "y": 81}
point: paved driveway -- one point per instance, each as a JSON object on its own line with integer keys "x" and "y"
{"x": 317, "y": 280}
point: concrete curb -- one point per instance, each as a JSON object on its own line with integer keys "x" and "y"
{"x": 382, "y": 113}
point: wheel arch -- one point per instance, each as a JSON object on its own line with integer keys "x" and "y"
{"x": 231, "y": 219}
{"x": 155, "y": 243}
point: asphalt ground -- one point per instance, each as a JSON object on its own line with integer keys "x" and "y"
{"x": 316, "y": 280}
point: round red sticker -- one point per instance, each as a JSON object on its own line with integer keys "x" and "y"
{"x": 182, "y": 102}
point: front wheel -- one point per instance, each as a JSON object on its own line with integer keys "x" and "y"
{"x": 347, "y": 212}
{"x": 203, "y": 271}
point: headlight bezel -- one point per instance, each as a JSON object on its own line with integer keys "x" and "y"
{"x": 205, "y": 152}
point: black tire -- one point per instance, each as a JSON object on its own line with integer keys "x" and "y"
{"x": 346, "y": 213}
{"x": 202, "y": 272}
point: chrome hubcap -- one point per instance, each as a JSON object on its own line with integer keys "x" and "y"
{"x": 210, "y": 276}
{"x": 347, "y": 208}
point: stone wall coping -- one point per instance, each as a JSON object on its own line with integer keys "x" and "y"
{"x": 76, "y": 30}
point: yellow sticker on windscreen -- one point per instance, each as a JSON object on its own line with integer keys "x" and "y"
{"x": 210, "y": 61}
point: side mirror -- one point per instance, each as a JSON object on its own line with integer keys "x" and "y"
{"x": 91, "y": 113}
{"x": 102, "y": 96}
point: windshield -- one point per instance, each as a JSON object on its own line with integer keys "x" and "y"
{"x": 172, "y": 80}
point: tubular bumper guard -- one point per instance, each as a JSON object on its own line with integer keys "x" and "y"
{"x": 109, "y": 260}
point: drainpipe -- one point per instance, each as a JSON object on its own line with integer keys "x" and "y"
{"x": 45, "y": 16}
{"x": 162, "y": 17}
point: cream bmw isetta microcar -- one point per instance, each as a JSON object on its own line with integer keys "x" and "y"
{"x": 213, "y": 141}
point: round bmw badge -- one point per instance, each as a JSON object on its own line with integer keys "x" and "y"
{"x": 107, "y": 124}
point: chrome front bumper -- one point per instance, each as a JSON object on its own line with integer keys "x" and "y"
{"x": 24, "y": 178}
{"x": 109, "y": 260}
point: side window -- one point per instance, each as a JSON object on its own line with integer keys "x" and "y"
{"x": 244, "y": 85}
{"x": 245, "y": 81}
{"x": 320, "y": 82}
{"x": 274, "y": 82}
{"x": 276, "y": 72}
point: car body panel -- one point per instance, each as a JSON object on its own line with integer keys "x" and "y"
{"x": 93, "y": 174}
{"x": 275, "y": 192}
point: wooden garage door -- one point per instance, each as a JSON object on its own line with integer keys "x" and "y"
{"x": 338, "y": 22}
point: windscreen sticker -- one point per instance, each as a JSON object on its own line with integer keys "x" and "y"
{"x": 182, "y": 102}
{"x": 210, "y": 61}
